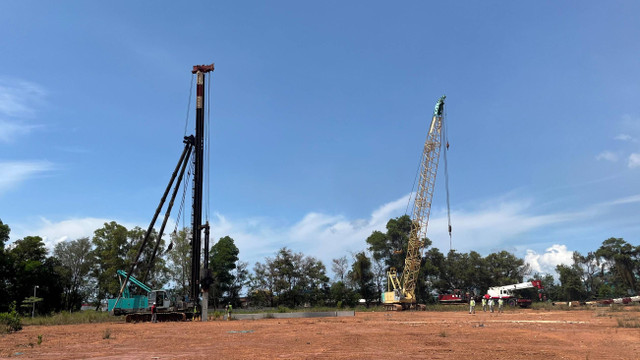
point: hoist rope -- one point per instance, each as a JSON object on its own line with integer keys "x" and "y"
{"x": 184, "y": 195}
{"x": 208, "y": 153}
{"x": 415, "y": 180}
{"x": 444, "y": 139}
{"x": 186, "y": 120}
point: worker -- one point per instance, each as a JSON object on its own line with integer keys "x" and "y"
{"x": 154, "y": 313}
{"x": 500, "y": 305}
{"x": 484, "y": 304}
{"x": 195, "y": 312}
{"x": 472, "y": 306}
{"x": 229, "y": 309}
{"x": 491, "y": 304}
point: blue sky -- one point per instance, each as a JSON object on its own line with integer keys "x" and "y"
{"x": 319, "y": 113}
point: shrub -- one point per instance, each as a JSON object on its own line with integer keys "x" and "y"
{"x": 10, "y": 322}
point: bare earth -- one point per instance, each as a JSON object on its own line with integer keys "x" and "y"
{"x": 516, "y": 334}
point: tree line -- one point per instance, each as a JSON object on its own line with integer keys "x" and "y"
{"x": 83, "y": 271}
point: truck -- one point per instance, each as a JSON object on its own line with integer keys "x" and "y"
{"x": 507, "y": 293}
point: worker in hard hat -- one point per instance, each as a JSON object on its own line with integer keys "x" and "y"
{"x": 154, "y": 313}
{"x": 491, "y": 304}
{"x": 484, "y": 304}
{"x": 472, "y": 306}
{"x": 500, "y": 305}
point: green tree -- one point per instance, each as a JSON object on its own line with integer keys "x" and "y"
{"x": 342, "y": 296}
{"x": 363, "y": 277}
{"x": 570, "y": 282}
{"x": 240, "y": 280}
{"x": 505, "y": 268}
{"x": 223, "y": 257}
{"x": 589, "y": 267}
{"x": 4, "y": 268}
{"x": 623, "y": 262}
{"x": 111, "y": 246}
{"x": 156, "y": 271}
{"x": 76, "y": 261}
{"x": 31, "y": 268}
{"x": 262, "y": 284}
{"x": 180, "y": 260}
{"x": 289, "y": 279}
{"x": 391, "y": 247}
{"x": 340, "y": 266}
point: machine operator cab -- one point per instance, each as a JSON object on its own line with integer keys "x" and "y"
{"x": 161, "y": 298}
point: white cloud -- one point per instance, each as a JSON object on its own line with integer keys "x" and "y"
{"x": 53, "y": 233}
{"x": 18, "y": 100}
{"x": 15, "y": 172}
{"x": 634, "y": 160}
{"x": 10, "y": 130}
{"x": 328, "y": 236}
{"x": 608, "y": 156}
{"x": 625, "y": 200}
{"x": 625, "y": 137}
{"x": 18, "y": 96}
{"x": 323, "y": 236}
{"x": 546, "y": 263}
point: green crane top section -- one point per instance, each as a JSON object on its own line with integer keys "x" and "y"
{"x": 439, "y": 106}
{"x": 142, "y": 285}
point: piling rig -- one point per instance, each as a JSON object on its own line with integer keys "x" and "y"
{"x": 185, "y": 306}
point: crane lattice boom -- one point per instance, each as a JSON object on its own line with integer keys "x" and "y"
{"x": 422, "y": 202}
{"x": 403, "y": 296}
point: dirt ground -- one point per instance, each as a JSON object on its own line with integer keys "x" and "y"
{"x": 516, "y": 334}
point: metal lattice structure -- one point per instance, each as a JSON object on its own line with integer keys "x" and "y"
{"x": 422, "y": 203}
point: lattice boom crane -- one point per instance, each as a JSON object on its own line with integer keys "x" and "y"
{"x": 401, "y": 292}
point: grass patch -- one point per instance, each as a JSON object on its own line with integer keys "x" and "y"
{"x": 106, "y": 334}
{"x": 628, "y": 322}
{"x": 67, "y": 318}
{"x": 39, "y": 339}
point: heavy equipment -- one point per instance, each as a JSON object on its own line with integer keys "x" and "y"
{"x": 135, "y": 307}
{"x": 456, "y": 296}
{"x": 507, "y": 292}
{"x": 200, "y": 278}
{"x": 400, "y": 294}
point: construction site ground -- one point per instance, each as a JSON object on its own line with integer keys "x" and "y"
{"x": 516, "y": 334}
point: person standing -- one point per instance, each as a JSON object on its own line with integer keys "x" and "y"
{"x": 484, "y": 304}
{"x": 491, "y": 304}
{"x": 154, "y": 313}
{"x": 229, "y": 309}
{"x": 472, "y": 306}
{"x": 500, "y": 305}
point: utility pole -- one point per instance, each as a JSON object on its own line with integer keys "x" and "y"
{"x": 196, "y": 243}
{"x": 33, "y": 310}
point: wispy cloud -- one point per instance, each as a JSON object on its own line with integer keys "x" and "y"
{"x": 492, "y": 226}
{"x": 625, "y": 137}
{"x": 546, "y": 262}
{"x": 16, "y": 172}
{"x": 634, "y": 160}
{"x": 326, "y": 236}
{"x": 10, "y": 130}
{"x": 18, "y": 102}
{"x": 625, "y": 200}
{"x": 608, "y": 156}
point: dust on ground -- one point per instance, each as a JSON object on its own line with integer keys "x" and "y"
{"x": 516, "y": 334}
